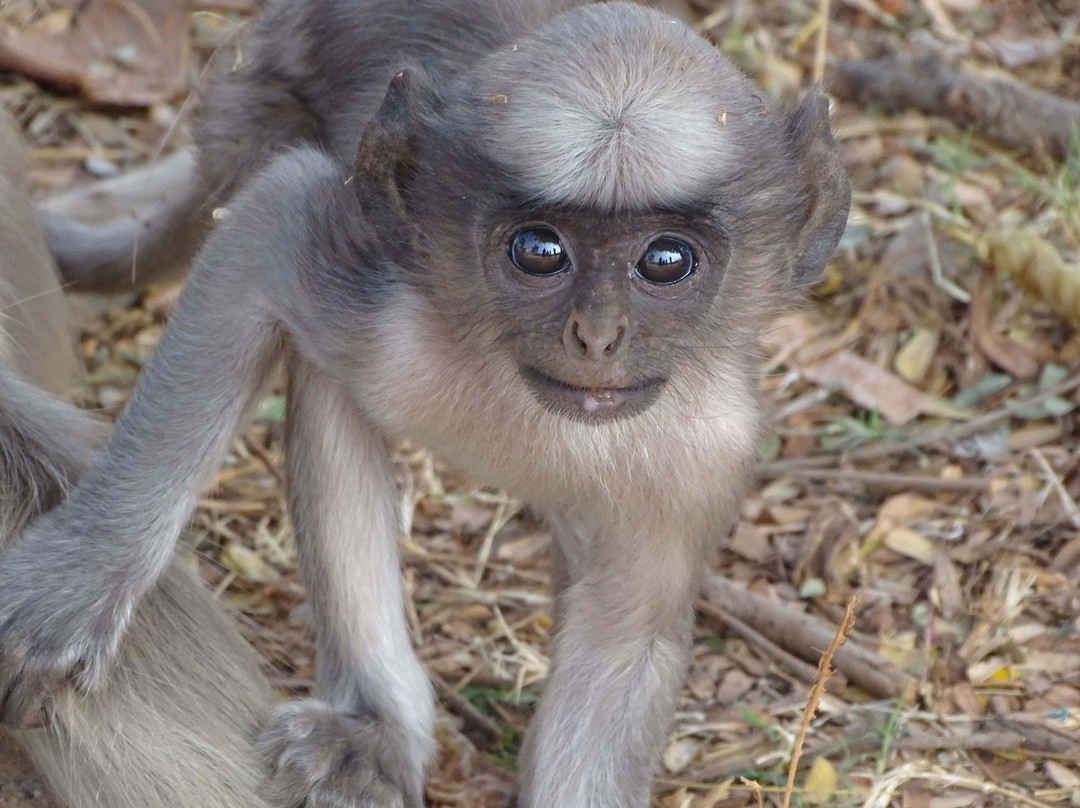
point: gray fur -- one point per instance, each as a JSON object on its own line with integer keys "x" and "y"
{"x": 175, "y": 726}
{"x": 388, "y": 281}
{"x": 34, "y": 323}
{"x": 146, "y": 229}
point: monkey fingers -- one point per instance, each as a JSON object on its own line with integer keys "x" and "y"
{"x": 54, "y": 629}
{"x": 323, "y": 759}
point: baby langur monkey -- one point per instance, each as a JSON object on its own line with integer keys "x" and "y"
{"x": 549, "y": 260}
{"x": 138, "y": 742}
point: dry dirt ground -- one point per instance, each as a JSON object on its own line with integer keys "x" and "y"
{"x": 924, "y": 454}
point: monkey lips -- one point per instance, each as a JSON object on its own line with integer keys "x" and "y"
{"x": 591, "y": 403}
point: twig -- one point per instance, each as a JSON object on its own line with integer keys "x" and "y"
{"x": 906, "y": 482}
{"x": 822, "y": 38}
{"x": 794, "y": 666}
{"x": 956, "y": 432}
{"x": 885, "y": 787}
{"x": 755, "y": 786}
{"x": 473, "y": 719}
{"x": 937, "y": 274}
{"x": 1054, "y": 480}
{"x": 990, "y": 741}
{"x": 1012, "y": 113}
{"x": 824, "y": 672}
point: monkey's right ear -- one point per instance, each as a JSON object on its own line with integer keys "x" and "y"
{"x": 388, "y": 153}
{"x": 825, "y": 184}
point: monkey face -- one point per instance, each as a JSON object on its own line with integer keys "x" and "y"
{"x": 595, "y": 310}
{"x": 609, "y": 233}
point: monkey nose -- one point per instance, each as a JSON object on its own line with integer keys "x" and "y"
{"x": 602, "y": 339}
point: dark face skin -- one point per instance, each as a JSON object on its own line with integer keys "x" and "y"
{"x": 593, "y": 307}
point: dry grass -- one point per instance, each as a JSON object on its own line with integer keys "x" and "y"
{"x": 961, "y": 542}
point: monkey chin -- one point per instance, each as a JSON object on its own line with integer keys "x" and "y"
{"x": 591, "y": 404}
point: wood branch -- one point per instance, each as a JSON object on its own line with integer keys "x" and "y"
{"x": 1007, "y": 111}
{"x": 1003, "y": 741}
{"x": 883, "y": 480}
{"x": 478, "y": 728}
{"x": 786, "y": 661}
{"x": 950, "y": 434}
{"x": 807, "y": 637}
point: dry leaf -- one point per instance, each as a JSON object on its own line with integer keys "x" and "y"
{"x": 53, "y": 23}
{"x": 913, "y": 360}
{"x": 247, "y": 564}
{"x": 715, "y": 795}
{"x": 679, "y": 753}
{"x": 128, "y": 54}
{"x": 1016, "y": 53}
{"x": 950, "y": 596}
{"x": 820, "y": 782}
{"x": 994, "y": 669}
{"x": 899, "y": 649}
{"x": 523, "y": 547}
{"x": 870, "y": 386}
{"x": 750, "y": 542}
{"x": 896, "y": 511}
{"x": 914, "y": 796}
{"x": 1009, "y": 355}
{"x": 1062, "y": 775}
{"x": 1034, "y": 435}
{"x": 909, "y": 543}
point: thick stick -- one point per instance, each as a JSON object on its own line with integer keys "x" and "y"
{"x": 807, "y": 637}
{"x": 1009, "y": 112}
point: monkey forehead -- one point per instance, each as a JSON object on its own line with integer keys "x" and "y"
{"x": 613, "y": 106}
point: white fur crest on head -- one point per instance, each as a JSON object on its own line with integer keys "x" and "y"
{"x": 634, "y": 115}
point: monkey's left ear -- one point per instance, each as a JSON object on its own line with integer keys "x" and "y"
{"x": 825, "y": 185}
{"x": 388, "y": 153}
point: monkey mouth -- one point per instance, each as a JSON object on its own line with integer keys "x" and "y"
{"x": 591, "y": 403}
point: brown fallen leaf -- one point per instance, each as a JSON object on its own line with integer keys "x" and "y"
{"x": 122, "y": 52}
{"x": 911, "y": 544}
{"x": 750, "y": 542}
{"x": 1010, "y": 356}
{"x": 247, "y": 564}
{"x": 820, "y": 782}
{"x": 870, "y": 386}
{"x": 914, "y": 358}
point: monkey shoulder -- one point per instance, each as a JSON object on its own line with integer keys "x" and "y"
{"x": 296, "y": 207}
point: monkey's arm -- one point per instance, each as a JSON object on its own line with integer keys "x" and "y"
{"x": 68, "y": 587}
{"x": 619, "y": 658}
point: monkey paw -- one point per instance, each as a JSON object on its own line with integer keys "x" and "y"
{"x": 60, "y": 622}
{"x": 324, "y": 759}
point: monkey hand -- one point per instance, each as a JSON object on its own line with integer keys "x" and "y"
{"x": 63, "y": 610}
{"x": 320, "y": 758}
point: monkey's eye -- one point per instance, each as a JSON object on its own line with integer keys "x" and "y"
{"x": 538, "y": 251}
{"x": 666, "y": 260}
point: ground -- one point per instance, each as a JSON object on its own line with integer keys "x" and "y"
{"x": 923, "y": 456}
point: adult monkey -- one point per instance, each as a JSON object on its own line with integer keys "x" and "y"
{"x": 549, "y": 261}
{"x": 138, "y": 742}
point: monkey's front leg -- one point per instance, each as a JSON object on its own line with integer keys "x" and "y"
{"x": 71, "y": 582}
{"x": 619, "y": 658}
{"x": 366, "y": 744}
